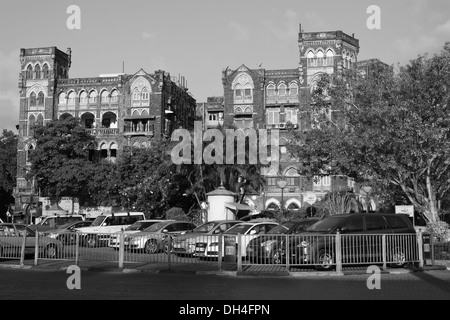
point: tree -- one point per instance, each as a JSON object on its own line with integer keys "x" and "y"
{"x": 60, "y": 160}
{"x": 8, "y": 168}
{"x": 394, "y": 128}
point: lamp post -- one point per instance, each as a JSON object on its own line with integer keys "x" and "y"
{"x": 282, "y": 183}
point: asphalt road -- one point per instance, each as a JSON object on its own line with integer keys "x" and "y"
{"x": 51, "y": 285}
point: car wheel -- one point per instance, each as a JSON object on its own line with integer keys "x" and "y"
{"x": 277, "y": 257}
{"x": 325, "y": 259}
{"x": 50, "y": 251}
{"x": 398, "y": 258}
{"x": 151, "y": 246}
{"x": 92, "y": 241}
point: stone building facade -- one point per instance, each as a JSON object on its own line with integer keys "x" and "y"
{"x": 120, "y": 110}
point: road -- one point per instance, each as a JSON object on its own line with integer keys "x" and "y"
{"x": 49, "y": 285}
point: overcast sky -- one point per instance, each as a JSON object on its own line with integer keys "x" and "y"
{"x": 200, "y": 38}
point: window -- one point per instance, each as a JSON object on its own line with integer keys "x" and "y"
{"x": 145, "y": 94}
{"x": 32, "y": 99}
{"x": 375, "y": 223}
{"x": 320, "y": 58}
{"x": 291, "y": 116}
{"x": 243, "y": 123}
{"x": 83, "y": 98}
{"x": 293, "y": 89}
{"x": 72, "y": 99}
{"x": 62, "y": 98}
{"x": 114, "y": 96}
{"x": 31, "y": 123}
{"x": 248, "y": 91}
{"x": 104, "y": 97}
{"x": 270, "y": 90}
{"x": 238, "y": 92}
{"x": 45, "y": 71}
{"x": 330, "y": 59}
{"x": 396, "y": 222}
{"x": 37, "y": 71}
{"x": 326, "y": 181}
{"x": 353, "y": 224}
{"x": 41, "y": 99}
{"x": 310, "y": 59}
{"x": 273, "y": 116}
{"x": 282, "y": 89}
{"x": 29, "y": 72}
{"x": 40, "y": 120}
{"x": 93, "y": 97}
{"x": 136, "y": 95}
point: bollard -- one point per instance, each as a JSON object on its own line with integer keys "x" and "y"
{"x": 420, "y": 246}
{"x": 77, "y": 248}
{"x": 169, "y": 254}
{"x": 36, "y": 248}
{"x": 338, "y": 253}
{"x": 239, "y": 253}
{"x": 220, "y": 255}
{"x": 383, "y": 250}
{"x": 121, "y": 249}
{"x": 287, "y": 254}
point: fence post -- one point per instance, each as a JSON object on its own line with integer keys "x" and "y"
{"x": 384, "y": 251}
{"x": 432, "y": 246}
{"x": 239, "y": 253}
{"x": 220, "y": 256}
{"x": 169, "y": 254}
{"x": 338, "y": 253}
{"x": 420, "y": 245}
{"x": 36, "y": 248}
{"x": 287, "y": 253}
{"x": 77, "y": 248}
{"x": 121, "y": 249}
{"x": 22, "y": 251}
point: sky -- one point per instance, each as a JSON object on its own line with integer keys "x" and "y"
{"x": 198, "y": 39}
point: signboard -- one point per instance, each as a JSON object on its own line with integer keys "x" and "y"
{"x": 230, "y": 248}
{"x": 409, "y": 210}
{"x": 310, "y": 198}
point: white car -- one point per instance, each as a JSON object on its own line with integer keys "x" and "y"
{"x": 208, "y": 247}
{"x": 138, "y": 226}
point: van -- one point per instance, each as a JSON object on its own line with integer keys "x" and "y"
{"x": 361, "y": 240}
{"x": 49, "y": 223}
{"x": 99, "y": 232}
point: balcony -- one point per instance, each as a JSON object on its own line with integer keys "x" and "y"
{"x": 103, "y": 131}
{"x": 139, "y": 130}
{"x": 281, "y": 99}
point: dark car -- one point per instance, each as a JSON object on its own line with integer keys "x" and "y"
{"x": 66, "y": 233}
{"x": 271, "y": 247}
{"x": 361, "y": 240}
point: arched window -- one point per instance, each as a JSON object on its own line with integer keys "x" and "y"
{"x": 41, "y": 99}
{"x": 114, "y": 96}
{"x": 31, "y": 123}
{"x": 310, "y": 59}
{"x": 45, "y": 71}
{"x": 330, "y": 59}
{"x": 32, "y": 99}
{"x": 72, "y": 99}
{"x": 30, "y": 72}
{"x": 320, "y": 58}
{"x": 293, "y": 89}
{"x": 104, "y": 97}
{"x": 104, "y": 151}
{"x": 248, "y": 90}
{"x": 37, "y": 71}
{"x": 62, "y": 99}
{"x": 145, "y": 94}
{"x": 29, "y": 149}
{"x": 351, "y": 61}
{"x": 238, "y": 92}
{"x": 93, "y": 97}
{"x": 270, "y": 90}
{"x": 113, "y": 151}
{"x": 136, "y": 95}
{"x": 83, "y": 98}
{"x": 282, "y": 90}
{"x": 40, "y": 120}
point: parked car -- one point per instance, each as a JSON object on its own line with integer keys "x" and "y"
{"x": 11, "y": 236}
{"x": 99, "y": 232}
{"x": 186, "y": 244}
{"x": 155, "y": 238}
{"x": 67, "y": 232}
{"x": 138, "y": 226}
{"x": 360, "y": 239}
{"x": 271, "y": 247}
{"x": 208, "y": 247}
{"x": 51, "y": 223}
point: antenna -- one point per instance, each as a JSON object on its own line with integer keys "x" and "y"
{"x": 123, "y": 67}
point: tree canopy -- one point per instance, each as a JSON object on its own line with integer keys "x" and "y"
{"x": 385, "y": 126}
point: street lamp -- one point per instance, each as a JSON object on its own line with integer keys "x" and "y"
{"x": 282, "y": 183}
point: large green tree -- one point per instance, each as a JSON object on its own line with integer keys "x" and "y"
{"x": 60, "y": 160}
{"x": 386, "y": 126}
{"x": 8, "y": 168}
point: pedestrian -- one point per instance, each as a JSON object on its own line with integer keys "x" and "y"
{"x": 8, "y": 216}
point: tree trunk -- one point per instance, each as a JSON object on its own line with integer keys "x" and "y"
{"x": 433, "y": 213}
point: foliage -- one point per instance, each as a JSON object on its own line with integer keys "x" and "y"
{"x": 341, "y": 202}
{"x": 60, "y": 160}
{"x": 176, "y": 214}
{"x": 440, "y": 231}
{"x": 387, "y": 127}
{"x": 8, "y": 168}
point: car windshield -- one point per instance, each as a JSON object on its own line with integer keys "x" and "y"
{"x": 206, "y": 227}
{"x": 139, "y": 226}
{"x": 98, "y": 221}
{"x": 239, "y": 228}
{"x": 155, "y": 227}
{"x": 325, "y": 225}
{"x": 282, "y": 228}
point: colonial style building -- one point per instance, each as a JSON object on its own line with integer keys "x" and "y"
{"x": 120, "y": 110}
{"x": 280, "y": 99}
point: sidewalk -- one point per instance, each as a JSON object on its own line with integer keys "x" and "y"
{"x": 207, "y": 269}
